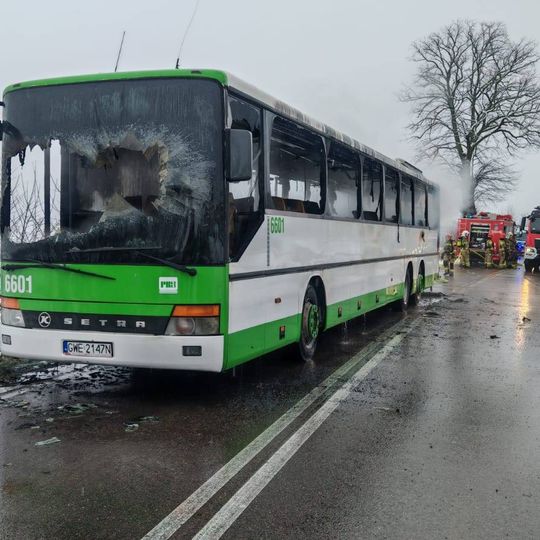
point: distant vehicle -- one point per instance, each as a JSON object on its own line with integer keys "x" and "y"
{"x": 480, "y": 226}
{"x": 183, "y": 219}
{"x": 520, "y": 246}
{"x": 531, "y": 226}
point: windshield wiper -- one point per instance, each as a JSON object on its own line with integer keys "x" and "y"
{"x": 139, "y": 251}
{"x": 40, "y": 264}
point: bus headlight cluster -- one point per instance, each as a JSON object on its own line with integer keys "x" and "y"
{"x": 11, "y": 312}
{"x": 194, "y": 321}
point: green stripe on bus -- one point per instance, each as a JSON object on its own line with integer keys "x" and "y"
{"x": 247, "y": 344}
{"x": 217, "y": 75}
{"x": 258, "y": 340}
{"x": 132, "y": 284}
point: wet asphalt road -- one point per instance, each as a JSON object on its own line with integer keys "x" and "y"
{"x": 440, "y": 440}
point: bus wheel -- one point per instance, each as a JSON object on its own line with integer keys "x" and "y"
{"x": 528, "y": 265}
{"x": 310, "y": 325}
{"x": 403, "y": 304}
{"x": 420, "y": 285}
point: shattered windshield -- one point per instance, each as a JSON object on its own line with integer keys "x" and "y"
{"x": 119, "y": 164}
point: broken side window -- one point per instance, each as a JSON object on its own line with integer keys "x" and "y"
{"x": 391, "y": 195}
{"x": 407, "y": 206}
{"x": 372, "y": 178}
{"x": 342, "y": 194}
{"x": 420, "y": 204}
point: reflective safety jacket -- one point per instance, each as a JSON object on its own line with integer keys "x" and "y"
{"x": 463, "y": 243}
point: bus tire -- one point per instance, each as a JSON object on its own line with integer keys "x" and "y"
{"x": 420, "y": 285}
{"x": 528, "y": 265}
{"x": 310, "y": 324}
{"x": 403, "y": 304}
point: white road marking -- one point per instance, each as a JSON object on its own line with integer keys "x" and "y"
{"x": 228, "y": 514}
{"x": 171, "y": 523}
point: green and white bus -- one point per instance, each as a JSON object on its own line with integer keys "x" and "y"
{"x": 183, "y": 219}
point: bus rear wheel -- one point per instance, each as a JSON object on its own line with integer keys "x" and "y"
{"x": 403, "y": 304}
{"x": 420, "y": 285}
{"x": 310, "y": 325}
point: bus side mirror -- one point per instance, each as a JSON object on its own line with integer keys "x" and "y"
{"x": 239, "y": 144}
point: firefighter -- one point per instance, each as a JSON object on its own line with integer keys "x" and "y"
{"x": 502, "y": 252}
{"x": 463, "y": 245}
{"x": 448, "y": 256}
{"x": 511, "y": 251}
{"x": 489, "y": 252}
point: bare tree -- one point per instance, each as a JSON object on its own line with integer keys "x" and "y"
{"x": 475, "y": 93}
{"x": 493, "y": 179}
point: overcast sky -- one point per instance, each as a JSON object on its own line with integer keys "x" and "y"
{"x": 341, "y": 61}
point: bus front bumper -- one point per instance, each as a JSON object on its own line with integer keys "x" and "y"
{"x": 133, "y": 350}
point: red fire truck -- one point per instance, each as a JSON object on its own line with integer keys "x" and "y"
{"x": 531, "y": 226}
{"x": 482, "y": 225}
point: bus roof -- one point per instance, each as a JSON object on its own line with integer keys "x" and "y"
{"x": 235, "y": 83}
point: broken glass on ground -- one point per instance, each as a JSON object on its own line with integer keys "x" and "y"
{"x": 48, "y": 442}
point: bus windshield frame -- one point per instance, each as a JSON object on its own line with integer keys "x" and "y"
{"x": 100, "y": 172}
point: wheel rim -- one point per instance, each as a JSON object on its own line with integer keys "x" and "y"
{"x": 313, "y": 321}
{"x": 310, "y": 324}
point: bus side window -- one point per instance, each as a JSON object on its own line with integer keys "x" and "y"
{"x": 407, "y": 202}
{"x": 245, "y": 212}
{"x": 420, "y": 204}
{"x": 372, "y": 177}
{"x": 391, "y": 200}
{"x": 433, "y": 207}
{"x": 342, "y": 197}
{"x": 296, "y": 168}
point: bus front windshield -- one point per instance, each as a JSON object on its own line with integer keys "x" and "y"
{"x": 104, "y": 172}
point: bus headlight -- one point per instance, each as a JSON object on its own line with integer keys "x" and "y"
{"x": 194, "y": 321}
{"x": 11, "y": 313}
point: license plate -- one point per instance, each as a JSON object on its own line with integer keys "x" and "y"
{"x": 88, "y": 348}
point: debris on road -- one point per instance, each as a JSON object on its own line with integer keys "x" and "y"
{"x": 494, "y": 336}
{"x": 26, "y": 425}
{"x": 434, "y": 294}
{"x": 77, "y": 408}
{"x": 129, "y": 427}
{"x": 47, "y": 442}
{"x": 148, "y": 419}
{"x": 459, "y": 300}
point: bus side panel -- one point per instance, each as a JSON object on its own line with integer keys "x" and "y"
{"x": 264, "y": 311}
